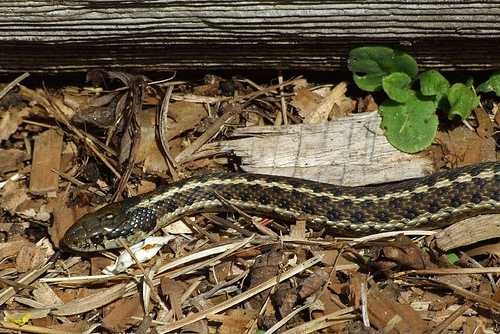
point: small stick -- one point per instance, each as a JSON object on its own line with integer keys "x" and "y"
{"x": 282, "y": 98}
{"x": 13, "y": 83}
{"x": 211, "y": 131}
{"x": 161, "y": 119}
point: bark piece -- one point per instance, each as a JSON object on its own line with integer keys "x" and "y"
{"x": 391, "y": 317}
{"x": 46, "y": 157}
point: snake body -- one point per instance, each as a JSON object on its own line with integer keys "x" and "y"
{"x": 432, "y": 201}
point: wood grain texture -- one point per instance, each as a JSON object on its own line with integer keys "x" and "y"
{"x": 350, "y": 151}
{"x": 185, "y": 34}
{"x": 46, "y": 157}
{"x": 468, "y": 232}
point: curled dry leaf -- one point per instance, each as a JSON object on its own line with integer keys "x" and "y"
{"x": 97, "y": 110}
{"x": 333, "y": 105}
{"x": 313, "y": 283}
{"x": 306, "y": 101}
{"x": 285, "y": 298}
{"x": 236, "y": 321}
{"x": 367, "y": 104}
{"x": 408, "y": 256}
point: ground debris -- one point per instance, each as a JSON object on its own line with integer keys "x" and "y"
{"x": 67, "y": 150}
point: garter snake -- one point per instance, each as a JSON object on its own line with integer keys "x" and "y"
{"x": 432, "y": 201}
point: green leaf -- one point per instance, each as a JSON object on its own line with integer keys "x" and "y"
{"x": 462, "y": 101}
{"x": 452, "y": 258}
{"x": 397, "y": 86}
{"x": 368, "y": 82}
{"x": 371, "y": 63}
{"x": 433, "y": 83}
{"x": 491, "y": 85}
{"x": 411, "y": 126}
{"x": 469, "y": 82}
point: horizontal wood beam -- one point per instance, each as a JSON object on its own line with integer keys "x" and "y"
{"x": 185, "y": 34}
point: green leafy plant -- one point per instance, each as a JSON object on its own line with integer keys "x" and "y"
{"x": 409, "y": 115}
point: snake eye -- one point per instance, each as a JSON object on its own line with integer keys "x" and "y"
{"x": 97, "y": 239}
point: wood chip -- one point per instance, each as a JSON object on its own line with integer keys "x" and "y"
{"x": 391, "y": 317}
{"x": 46, "y": 157}
{"x": 467, "y": 232}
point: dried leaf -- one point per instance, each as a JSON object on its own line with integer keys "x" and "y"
{"x": 462, "y": 146}
{"x": 11, "y": 160}
{"x": 306, "y": 102}
{"x": 324, "y": 110}
{"x": 12, "y": 195}
{"x": 485, "y": 126}
{"x": 64, "y": 217}
{"x": 44, "y": 294}
{"x": 236, "y": 321}
{"x": 174, "y": 290}
{"x": 118, "y": 317}
{"x": 91, "y": 302}
{"x": 367, "y": 104}
{"x": 384, "y": 311}
{"x": 148, "y": 151}
{"x": 12, "y": 248}
{"x": 10, "y": 121}
{"x": 30, "y": 257}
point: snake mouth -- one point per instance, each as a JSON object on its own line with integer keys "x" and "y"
{"x": 92, "y": 231}
{"x": 76, "y": 239}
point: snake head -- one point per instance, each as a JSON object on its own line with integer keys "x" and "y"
{"x": 97, "y": 231}
{"x": 104, "y": 228}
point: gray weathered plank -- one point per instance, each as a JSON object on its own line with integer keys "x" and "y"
{"x": 348, "y": 151}
{"x": 185, "y": 34}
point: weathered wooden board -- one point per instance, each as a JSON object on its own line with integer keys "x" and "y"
{"x": 348, "y": 151}
{"x": 71, "y": 35}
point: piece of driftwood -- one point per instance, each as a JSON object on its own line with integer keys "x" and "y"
{"x": 348, "y": 151}
{"x": 184, "y": 34}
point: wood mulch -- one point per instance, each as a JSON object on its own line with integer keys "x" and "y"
{"x": 67, "y": 150}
